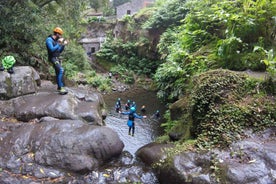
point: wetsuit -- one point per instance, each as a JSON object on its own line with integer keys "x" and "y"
{"x": 117, "y": 107}
{"x": 130, "y": 122}
{"x": 54, "y": 49}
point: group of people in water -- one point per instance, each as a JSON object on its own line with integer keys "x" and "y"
{"x": 130, "y": 109}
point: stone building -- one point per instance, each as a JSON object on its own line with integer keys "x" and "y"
{"x": 132, "y": 7}
{"x": 96, "y": 34}
{"x": 92, "y": 45}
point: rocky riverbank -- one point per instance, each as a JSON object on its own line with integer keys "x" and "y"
{"x": 49, "y": 138}
{"x": 252, "y": 160}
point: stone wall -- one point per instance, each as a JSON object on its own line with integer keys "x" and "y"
{"x": 132, "y": 7}
{"x": 95, "y": 36}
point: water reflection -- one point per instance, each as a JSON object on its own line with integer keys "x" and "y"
{"x": 146, "y": 130}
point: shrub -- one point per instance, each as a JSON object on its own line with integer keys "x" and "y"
{"x": 223, "y": 106}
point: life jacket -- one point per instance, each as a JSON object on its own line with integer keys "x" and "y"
{"x": 131, "y": 117}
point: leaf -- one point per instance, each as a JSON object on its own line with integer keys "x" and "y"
{"x": 106, "y": 175}
{"x": 42, "y": 171}
{"x": 252, "y": 161}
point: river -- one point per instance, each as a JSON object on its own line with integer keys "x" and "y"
{"x": 146, "y": 130}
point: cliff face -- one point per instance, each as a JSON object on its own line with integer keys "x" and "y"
{"x": 128, "y": 30}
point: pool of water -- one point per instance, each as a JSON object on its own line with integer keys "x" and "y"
{"x": 146, "y": 130}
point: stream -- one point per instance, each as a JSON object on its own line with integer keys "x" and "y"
{"x": 127, "y": 168}
{"x": 147, "y": 129}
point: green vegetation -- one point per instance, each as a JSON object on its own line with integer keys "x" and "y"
{"x": 126, "y": 55}
{"x": 26, "y": 24}
{"x": 197, "y": 38}
{"x": 224, "y": 104}
{"x": 131, "y": 53}
{"x": 168, "y": 14}
{"x": 217, "y": 34}
{"x": 221, "y": 105}
{"x": 216, "y": 106}
{"x": 103, "y": 5}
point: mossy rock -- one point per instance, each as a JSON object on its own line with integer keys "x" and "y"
{"x": 213, "y": 88}
{"x": 179, "y": 108}
{"x": 220, "y": 106}
{"x": 225, "y": 103}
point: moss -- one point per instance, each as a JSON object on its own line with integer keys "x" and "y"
{"x": 224, "y": 104}
{"x": 220, "y": 105}
{"x": 215, "y": 88}
{"x": 185, "y": 127}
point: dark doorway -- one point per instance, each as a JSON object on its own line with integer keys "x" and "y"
{"x": 93, "y": 50}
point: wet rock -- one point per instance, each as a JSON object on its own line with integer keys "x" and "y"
{"x": 134, "y": 174}
{"x": 120, "y": 88}
{"x": 251, "y": 160}
{"x": 175, "y": 136}
{"x": 24, "y": 80}
{"x": 47, "y": 119}
{"x": 63, "y": 145}
{"x": 178, "y": 108}
{"x": 49, "y": 104}
{"x": 130, "y": 174}
{"x": 202, "y": 179}
{"x": 153, "y": 152}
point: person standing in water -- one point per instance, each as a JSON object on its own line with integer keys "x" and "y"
{"x": 131, "y": 117}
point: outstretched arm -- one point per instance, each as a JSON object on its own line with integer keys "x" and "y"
{"x": 124, "y": 113}
{"x": 139, "y": 117}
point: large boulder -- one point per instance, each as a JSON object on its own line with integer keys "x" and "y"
{"x": 63, "y": 144}
{"x": 252, "y": 160}
{"x": 153, "y": 152}
{"x": 76, "y": 105}
{"x": 24, "y": 80}
{"x": 25, "y": 101}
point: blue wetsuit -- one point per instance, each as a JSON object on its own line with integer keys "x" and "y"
{"x": 130, "y": 123}
{"x": 54, "y": 49}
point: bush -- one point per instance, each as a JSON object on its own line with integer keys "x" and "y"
{"x": 224, "y": 104}
{"x": 96, "y": 19}
{"x": 99, "y": 82}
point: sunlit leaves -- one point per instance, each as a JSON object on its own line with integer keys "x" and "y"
{"x": 169, "y": 14}
{"x": 169, "y": 78}
{"x": 224, "y": 31}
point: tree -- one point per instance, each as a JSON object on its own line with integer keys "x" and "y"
{"x": 95, "y": 4}
{"x": 205, "y": 35}
{"x": 24, "y": 25}
{"x": 168, "y": 14}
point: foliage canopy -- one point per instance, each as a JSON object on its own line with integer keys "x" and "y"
{"x": 216, "y": 34}
{"x": 24, "y": 26}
